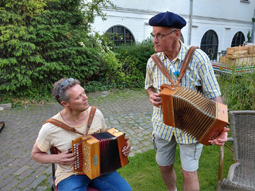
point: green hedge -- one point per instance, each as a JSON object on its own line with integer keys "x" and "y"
{"x": 42, "y": 41}
{"x": 45, "y": 40}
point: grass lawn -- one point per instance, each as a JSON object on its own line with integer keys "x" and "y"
{"x": 143, "y": 174}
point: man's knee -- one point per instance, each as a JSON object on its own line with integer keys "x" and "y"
{"x": 168, "y": 169}
{"x": 189, "y": 175}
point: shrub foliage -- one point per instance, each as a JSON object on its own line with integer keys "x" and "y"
{"x": 134, "y": 59}
{"x": 238, "y": 91}
{"x": 42, "y": 41}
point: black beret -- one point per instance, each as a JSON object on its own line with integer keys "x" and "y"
{"x": 168, "y": 19}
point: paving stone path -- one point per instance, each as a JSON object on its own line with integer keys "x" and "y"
{"x": 127, "y": 110}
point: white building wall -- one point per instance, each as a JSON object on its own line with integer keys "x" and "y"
{"x": 225, "y": 17}
{"x": 226, "y": 9}
{"x": 154, "y": 5}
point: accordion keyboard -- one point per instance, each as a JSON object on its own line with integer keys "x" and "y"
{"x": 79, "y": 159}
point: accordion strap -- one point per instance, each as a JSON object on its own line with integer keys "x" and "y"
{"x": 161, "y": 67}
{"x": 67, "y": 127}
{"x": 63, "y": 125}
{"x": 91, "y": 117}
{"x": 184, "y": 67}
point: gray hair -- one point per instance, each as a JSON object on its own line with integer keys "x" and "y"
{"x": 61, "y": 86}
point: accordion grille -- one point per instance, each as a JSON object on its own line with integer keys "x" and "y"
{"x": 193, "y": 113}
{"x": 86, "y": 158}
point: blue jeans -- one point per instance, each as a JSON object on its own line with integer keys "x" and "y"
{"x": 107, "y": 182}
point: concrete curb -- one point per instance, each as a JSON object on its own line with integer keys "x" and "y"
{"x": 5, "y": 106}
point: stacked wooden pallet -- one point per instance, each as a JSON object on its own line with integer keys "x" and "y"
{"x": 239, "y": 56}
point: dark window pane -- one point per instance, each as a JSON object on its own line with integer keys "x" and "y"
{"x": 120, "y": 35}
{"x": 209, "y": 44}
{"x": 238, "y": 39}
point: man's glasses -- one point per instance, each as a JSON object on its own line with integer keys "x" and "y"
{"x": 160, "y": 36}
{"x": 65, "y": 83}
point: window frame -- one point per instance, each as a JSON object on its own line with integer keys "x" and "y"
{"x": 118, "y": 35}
{"x": 235, "y": 37}
{"x": 210, "y": 44}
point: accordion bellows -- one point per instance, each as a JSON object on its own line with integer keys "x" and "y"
{"x": 193, "y": 113}
{"x": 99, "y": 153}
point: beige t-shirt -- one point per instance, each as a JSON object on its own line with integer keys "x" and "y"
{"x": 52, "y": 135}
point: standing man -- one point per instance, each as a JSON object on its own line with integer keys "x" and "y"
{"x": 171, "y": 51}
{"x": 72, "y": 97}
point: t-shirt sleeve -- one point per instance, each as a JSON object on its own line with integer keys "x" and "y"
{"x": 44, "y": 138}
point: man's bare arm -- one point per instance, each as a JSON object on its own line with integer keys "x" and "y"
{"x": 64, "y": 158}
{"x": 218, "y": 99}
{"x": 154, "y": 97}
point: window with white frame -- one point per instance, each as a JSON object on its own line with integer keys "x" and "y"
{"x": 209, "y": 44}
{"x": 238, "y": 39}
{"x": 120, "y": 35}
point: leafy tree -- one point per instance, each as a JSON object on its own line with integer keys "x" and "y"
{"x": 42, "y": 41}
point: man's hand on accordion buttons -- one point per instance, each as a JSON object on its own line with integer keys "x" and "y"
{"x": 155, "y": 99}
{"x": 222, "y": 138}
{"x": 126, "y": 149}
{"x": 66, "y": 158}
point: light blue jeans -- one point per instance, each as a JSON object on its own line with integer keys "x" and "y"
{"x": 107, "y": 182}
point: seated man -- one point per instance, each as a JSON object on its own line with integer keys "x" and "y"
{"x": 72, "y": 97}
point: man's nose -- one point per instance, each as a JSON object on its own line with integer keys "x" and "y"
{"x": 155, "y": 40}
{"x": 85, "y": 97}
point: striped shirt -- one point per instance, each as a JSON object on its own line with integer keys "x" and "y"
{"x": 199, "y": 73}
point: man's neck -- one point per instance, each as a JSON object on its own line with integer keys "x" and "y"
{"x": 174, "y": 51}
{"x": 74, "y": 118}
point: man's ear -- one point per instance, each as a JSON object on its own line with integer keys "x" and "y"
{"x": 64, "y": 103}
{"x": 178, "y": 33}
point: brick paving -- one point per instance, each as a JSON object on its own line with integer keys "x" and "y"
{"x": 127, "y": 110}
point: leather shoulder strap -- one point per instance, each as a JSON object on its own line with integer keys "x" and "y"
{"x": 63, "y": 125}
{"x": 161, "y": 67}
{"x": 67, "y": 127}
{"x": 91, "y": 117}
{"x": 185, "y": 64}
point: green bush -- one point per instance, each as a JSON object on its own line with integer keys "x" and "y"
{"x": 135, "y": 56}
{"x": 44, "y": 41}
{"x": 121, "y": 67}
{"x": 40, "y": 42}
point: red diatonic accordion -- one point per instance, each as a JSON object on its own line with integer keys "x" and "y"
{"x": 193, "y": 113}
{"x": 99, "y": 153}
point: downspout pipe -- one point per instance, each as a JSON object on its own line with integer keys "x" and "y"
{"x": 190, "y": 20}
{"x": 253, "y": 28}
